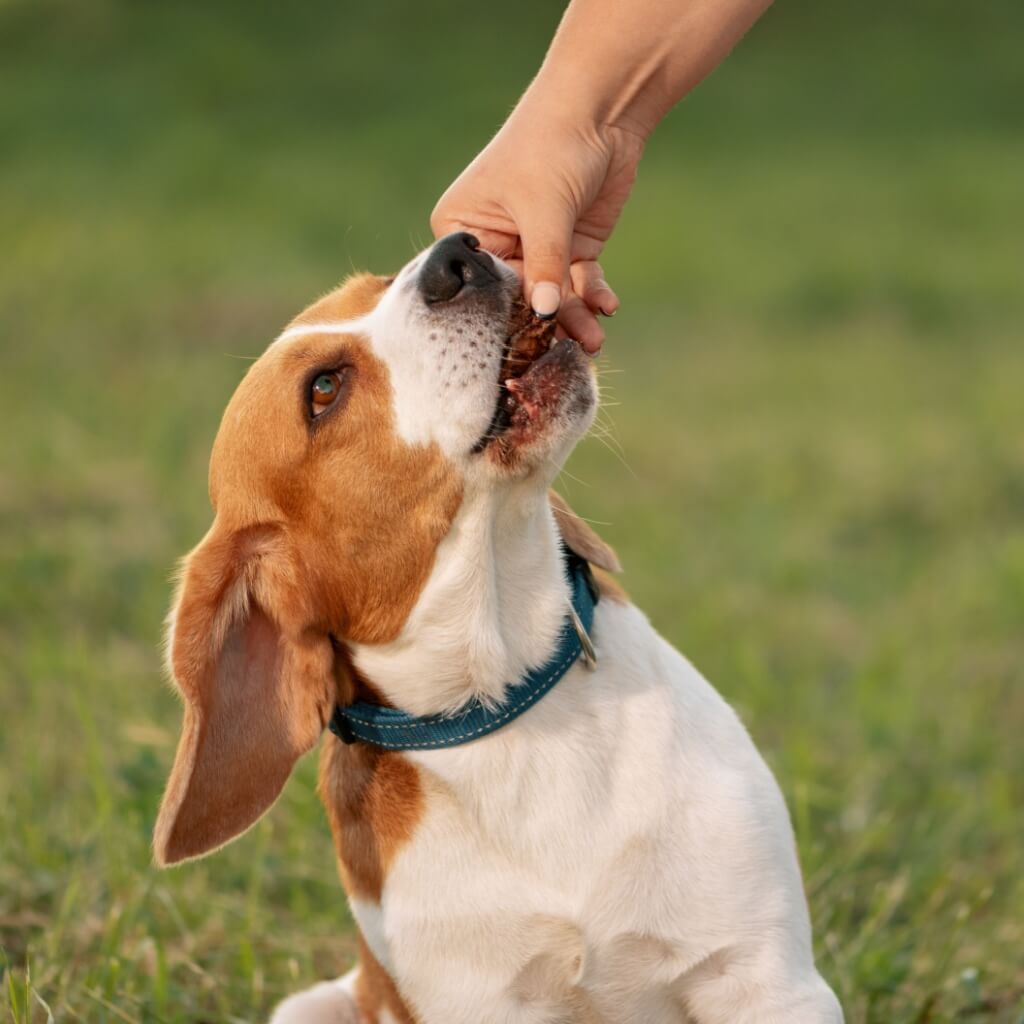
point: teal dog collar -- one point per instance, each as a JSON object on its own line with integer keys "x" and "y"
{"x": 392, "y": 729}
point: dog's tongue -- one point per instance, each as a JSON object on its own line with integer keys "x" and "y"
{"x": 529, "y": 338}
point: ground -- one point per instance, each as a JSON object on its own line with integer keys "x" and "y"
{"x": 811, "y": 461}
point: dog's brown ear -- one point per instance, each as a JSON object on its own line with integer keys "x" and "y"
{"x": 580, "y": 537}
{"x": 257, "y": 685}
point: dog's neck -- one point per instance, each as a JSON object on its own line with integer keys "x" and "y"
{"x": 492, "y": 607}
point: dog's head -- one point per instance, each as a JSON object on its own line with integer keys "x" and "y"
{"x": 340, "y": 464}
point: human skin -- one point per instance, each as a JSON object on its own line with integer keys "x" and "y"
{"x": 548, "y": 189}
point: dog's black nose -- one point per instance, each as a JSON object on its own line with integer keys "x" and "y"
{"x": 454, "y": 263}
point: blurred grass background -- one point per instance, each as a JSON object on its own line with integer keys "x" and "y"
{"x": 819, "y": 494}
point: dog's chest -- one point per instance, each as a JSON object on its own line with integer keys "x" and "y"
{"x": 536, "y": 900}
{"x": 585, "y": 858}
{"x": 545, "y": 866}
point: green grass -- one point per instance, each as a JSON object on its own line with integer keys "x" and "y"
{"x": 819, "y": 496}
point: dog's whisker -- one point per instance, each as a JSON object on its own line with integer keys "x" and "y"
{"x": 619, "y": 453}
{"x": 562, "y": 471}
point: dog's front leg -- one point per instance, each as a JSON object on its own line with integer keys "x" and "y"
{"x": 743, "y": 989}
{"x": 329, "y": 1002}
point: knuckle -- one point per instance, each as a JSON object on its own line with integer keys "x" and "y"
{"x": 546, "y": 252}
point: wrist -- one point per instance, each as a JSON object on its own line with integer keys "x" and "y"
{"x": 583, "y": 98}
{"x": 550, "y": 120}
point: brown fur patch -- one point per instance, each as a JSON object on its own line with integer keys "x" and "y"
{"x": 363, "y": 510}
{"x": 609, "y": 587}
{"x": 581, "y": 537}
{"x": 376, "y": 992}
{"x": 355, "y": 297}
{"x": 374, "y": 801}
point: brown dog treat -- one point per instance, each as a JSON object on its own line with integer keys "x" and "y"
{"x": 529, "y": 338}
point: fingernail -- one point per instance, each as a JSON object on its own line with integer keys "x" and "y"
{"x": 545, "y": 299}
{"x": 611, "y": 307}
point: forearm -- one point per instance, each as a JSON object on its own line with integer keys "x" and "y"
{"x": 628, "y": 62}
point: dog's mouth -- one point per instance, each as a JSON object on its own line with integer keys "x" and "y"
{"x": 531, "y": 342}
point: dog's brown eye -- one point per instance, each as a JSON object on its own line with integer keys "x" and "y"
{"x": 325, "y": 389}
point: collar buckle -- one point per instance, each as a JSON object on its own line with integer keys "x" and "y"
{"x": 586, "y": 644}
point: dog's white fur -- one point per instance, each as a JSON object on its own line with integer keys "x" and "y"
{"x": 619, "y": 853}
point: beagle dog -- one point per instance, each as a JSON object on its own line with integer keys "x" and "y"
{"x": 542, "y": 812}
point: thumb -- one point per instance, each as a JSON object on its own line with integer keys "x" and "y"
{"x": 547, "y": 243}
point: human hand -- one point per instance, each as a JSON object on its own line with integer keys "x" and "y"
{"x": 546, "y": 194}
